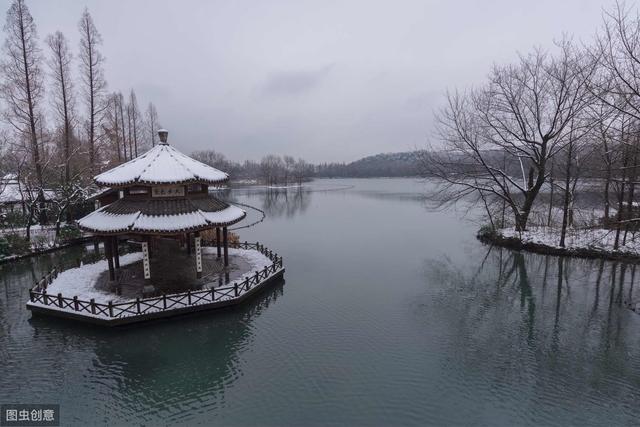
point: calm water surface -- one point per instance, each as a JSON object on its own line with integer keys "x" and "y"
{"x": 390, "y": 315}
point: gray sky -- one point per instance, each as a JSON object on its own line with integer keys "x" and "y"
{"x": 324, "y": 80}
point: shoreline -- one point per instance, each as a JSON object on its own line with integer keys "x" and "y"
{"x": 68, "y": 244}
{"x": 493, "y": 237}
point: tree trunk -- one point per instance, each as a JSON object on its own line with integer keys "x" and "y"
{"x": 632, "y": 179}
{"x": 567, "y": 195}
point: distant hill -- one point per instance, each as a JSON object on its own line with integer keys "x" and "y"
{"x": 378, "y": 165}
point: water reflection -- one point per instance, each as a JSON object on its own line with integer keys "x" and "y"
{"x": 181, "y": 370}
{"x": 276, "y": 202}
{"x": 557, "y": 303}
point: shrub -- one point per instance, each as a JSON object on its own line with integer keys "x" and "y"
{"x": 13, "y": 219}
{"x": 17, "y": 244}
{"x": 69, "y": 232}
{"x": 486, "y": 231}
{"x": 210, "y": 236}
{"x": 5, "y": 249}
{"x": 40, "y": 242}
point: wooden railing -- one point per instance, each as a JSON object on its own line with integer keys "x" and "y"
{"x": 38, "y": 294}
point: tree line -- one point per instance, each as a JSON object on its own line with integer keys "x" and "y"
{"x": 275, "y": 170}
{"x": 62, "y": 123}
{"x": 545, "y": 131}
{"x": 271, "y": 170}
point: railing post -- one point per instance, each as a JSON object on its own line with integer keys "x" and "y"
{"x": 246, "y": 284}
{"x": 31, "y": 298}
{"x": 110, "y": 308}
{"x": 189, "y": 297}
{"x": 92, "y": 303}
{"x": 257, "y": 277}
{"x": 213, "y": 294}
{"x": 59, "y": 300}
{"x": 164, "y": 301}
{"x": 44, "y": 296}
{"x": 75, "y": 302}
{"x": 235, "y": 288}
{"x": 138, "y": 304}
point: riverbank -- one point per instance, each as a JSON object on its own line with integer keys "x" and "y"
{"x": 53, "y": 248}
{"x": 582, "y": 243}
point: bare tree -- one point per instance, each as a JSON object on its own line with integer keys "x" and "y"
{"x": 271, "y": 167}
{"x": 617, "y": 50}
{"x": 121, "y": 108}
{"x": 301, "y": 171}
{"x": 112, "y": 127}
{"x": 63, "y": 99}
{"x": 22, "y": 86}
{"x": 152, "y": 123}
{"x": 134, "y": 120}
{"x": 94, "y": 84}
{"x": 212, "y": 158}
{"x": 288, "y": 168}
{"x": 523, "y": 113}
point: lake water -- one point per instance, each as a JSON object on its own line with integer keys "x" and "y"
{"x": 391, "y": 314}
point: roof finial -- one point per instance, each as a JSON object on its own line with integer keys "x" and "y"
{"x": 163, "y": 134}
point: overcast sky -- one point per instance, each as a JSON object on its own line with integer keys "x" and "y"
{"x": 324, "y": 80}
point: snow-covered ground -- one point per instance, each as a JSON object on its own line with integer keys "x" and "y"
{"x": 256, "y": 260}
{"x": 594, "y": 239}
{"x": 81, "y": 281}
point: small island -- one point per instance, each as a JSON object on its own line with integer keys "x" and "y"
{"x": 158, "y": 203}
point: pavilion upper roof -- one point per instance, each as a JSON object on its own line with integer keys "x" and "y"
{"x": 163, "y": 164}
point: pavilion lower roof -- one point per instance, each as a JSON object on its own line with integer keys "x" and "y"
{"x": 161, "y": 216}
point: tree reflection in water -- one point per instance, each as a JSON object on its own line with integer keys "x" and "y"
{"x": 275, "y": 202}
{"x": 539, "y": 314}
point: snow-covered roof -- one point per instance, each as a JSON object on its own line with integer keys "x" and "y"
{"x": 99, "y": 193}
{"x": 163, "y": 164}
{"x": 104, "y": 220}
{"x": 10, "y": 192}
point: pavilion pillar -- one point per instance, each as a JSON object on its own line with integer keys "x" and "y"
{"x": 218, "y": 241}
{"x": 108, "y": 254}
{"x": 226, "y": 246}
{"x": 145, "y": 260}
{"x": 96, "y": 245}
{"x": 198, "y": 249}
{"x": 188, "y": 243}
{"x": 116, "y": 254}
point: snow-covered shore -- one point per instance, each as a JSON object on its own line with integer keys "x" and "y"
{"x": 587, "y": 242}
